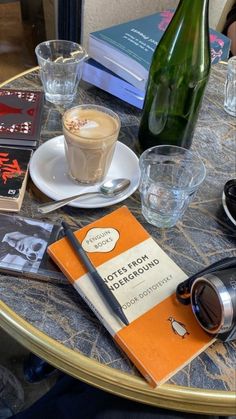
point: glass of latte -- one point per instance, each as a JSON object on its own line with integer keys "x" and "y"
{"x": 90, "y": 133}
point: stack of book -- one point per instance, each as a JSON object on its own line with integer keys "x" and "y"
{"x": 20, "y": 122}
{"x": 120, "y": 56}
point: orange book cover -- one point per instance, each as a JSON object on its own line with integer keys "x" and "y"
{"x": 163, "y": 334}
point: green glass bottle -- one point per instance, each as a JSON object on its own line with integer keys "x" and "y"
{"x": 177, "y": 79}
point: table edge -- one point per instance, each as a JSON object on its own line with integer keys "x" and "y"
{"x": 170, "y": 396}
{"x": 17, "y": 76}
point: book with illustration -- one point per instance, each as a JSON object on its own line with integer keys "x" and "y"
{"x": 126, "y": 49}
{"x": 14, "y": 164}
{"x": 23, "y": 247}
{"x": 20, "y": 117}
{"x": 162, "y": 335}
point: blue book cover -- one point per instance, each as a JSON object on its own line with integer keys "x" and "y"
{"x": 127, "y": 48}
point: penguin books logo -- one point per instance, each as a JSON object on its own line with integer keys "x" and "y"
{"x": 178, "y": 327}
{"x": 100, "y": 240}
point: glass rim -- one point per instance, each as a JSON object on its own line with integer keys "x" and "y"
{"x": 58, "y": 41}
{"x": 202, "y": 167}
{"x": 100, "y": 108}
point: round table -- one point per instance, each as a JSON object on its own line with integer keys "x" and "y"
{"x": 50, "y": 318}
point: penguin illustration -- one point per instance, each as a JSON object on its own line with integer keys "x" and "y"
{"x": 178, "y": 327}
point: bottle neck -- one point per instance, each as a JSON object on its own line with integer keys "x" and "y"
{"x": 187, "y": 36}
{"x": 193, "y": 10}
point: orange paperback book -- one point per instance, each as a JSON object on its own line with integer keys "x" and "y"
{"x": 163, "y": 334}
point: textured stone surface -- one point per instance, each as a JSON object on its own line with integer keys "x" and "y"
{"x": 203, "y": 236}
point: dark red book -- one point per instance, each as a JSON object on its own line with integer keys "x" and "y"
{"x": 20, "y": 117}
{"x": 14, "y": 163}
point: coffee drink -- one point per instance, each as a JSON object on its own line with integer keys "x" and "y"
{"x": 90, "y": 133}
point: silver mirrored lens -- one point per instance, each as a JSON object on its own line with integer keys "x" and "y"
{"x": 212, "y": 304}
{"x": 206, "y": 306}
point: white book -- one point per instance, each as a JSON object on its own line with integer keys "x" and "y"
{"x": 101, "y": 77}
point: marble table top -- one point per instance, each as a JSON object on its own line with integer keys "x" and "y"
{"x": 203, "y": 236}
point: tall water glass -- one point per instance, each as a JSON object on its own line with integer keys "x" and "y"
{"x": 170, "y": 177}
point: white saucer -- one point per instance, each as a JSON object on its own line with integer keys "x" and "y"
{"x": 226, "y": 209}
{"x": 48, "y": 170}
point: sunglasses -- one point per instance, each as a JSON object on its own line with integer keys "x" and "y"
{"x": 212, "y": 295}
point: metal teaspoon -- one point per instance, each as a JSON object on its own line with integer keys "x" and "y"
{"x": 107, "y": 189}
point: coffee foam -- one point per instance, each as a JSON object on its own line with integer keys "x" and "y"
{"x": 90, "y": 123}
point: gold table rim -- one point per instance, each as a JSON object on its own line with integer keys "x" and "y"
{"x": 180, "y": 398}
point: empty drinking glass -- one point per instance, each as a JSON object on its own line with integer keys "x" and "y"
{"x": 170, "y": 177}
